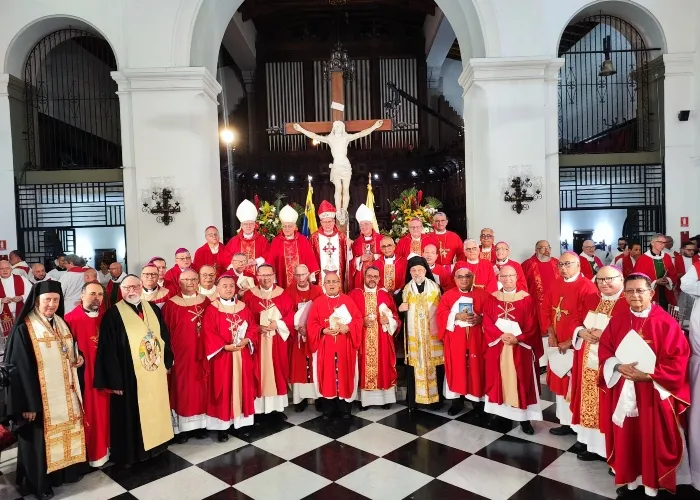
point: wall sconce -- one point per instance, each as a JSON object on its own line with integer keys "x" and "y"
{"x": 161, "y": 200}
{"x": 521, "y": 188}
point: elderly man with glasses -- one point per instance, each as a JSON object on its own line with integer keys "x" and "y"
{"x": 561, "y": 312}
{"x": 590, "y": 263}
{"x": 183, "y": 260}
{"x": 449, "y": 244}
{"x": 487, "y": 250}
{"x": 658, "y": 265}
{"x": 213, "y": 253}
{"x": 644, "y": 358}
{"x": 481, "y": 268}
{"x": 151, "y": 291}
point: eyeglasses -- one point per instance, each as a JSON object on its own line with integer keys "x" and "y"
{"x": 149, "y": 275}
{"x": 212, "y": 275}
{"x": 470, "y": 249}
{"x": 189, "y": 280}
{"x": 588, "y": 247}
{"x": 486, "y": 236}
{"x": 637, "y": 291}
{"x": 544, "y": 248}
{"x": 183, "y": 258}
{"x": 266, "y": 275}
{"x": 566, "y": 264}
{"x": 463, "y": 276}
{"x": 607, "y": 280}
{"x": 129, "y": 288}
{"x": 509, "y": 275}
{"x": 387, "y": 246}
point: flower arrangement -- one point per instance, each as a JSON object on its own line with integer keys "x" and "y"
{"x": 268, "y": 222}
{"x": 410, "y": 205}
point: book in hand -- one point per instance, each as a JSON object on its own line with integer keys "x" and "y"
{"x": 466, "y": 307}
{"x": 596, "y": 321}
{"x": 559, "y": 363}
{"x": 634, "y": 349}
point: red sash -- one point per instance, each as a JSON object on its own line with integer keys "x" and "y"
{"x": 6, "y": 317}
{"x": 696, "y": 265}
{"x": 248, "y": 248}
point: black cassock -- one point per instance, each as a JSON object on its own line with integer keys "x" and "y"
{"x": 114, "y": 370}
{"x": 25, "y": 397}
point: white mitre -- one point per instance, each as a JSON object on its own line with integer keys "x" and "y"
{"x": 288, "y": 214}
{"x": 364, "y": 214}
{"x": 246, "y": 211}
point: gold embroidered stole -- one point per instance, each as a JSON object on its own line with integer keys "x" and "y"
{"x": 64, "y": 437}
{"x": 371, "y": 343}
{"x": 271, "y": 312}
{"x": 147, "y": 346}
{"x": 509, "y": 375}
{"x": 389, "y": 278}
{"x": 237, "y": 361}
{"x": 415, "y": 246}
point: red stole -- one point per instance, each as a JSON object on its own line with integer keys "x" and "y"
{"x": 6, "y": 318}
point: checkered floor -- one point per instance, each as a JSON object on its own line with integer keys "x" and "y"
{"x": 377, "y": 454}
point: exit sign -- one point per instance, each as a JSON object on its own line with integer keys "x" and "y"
{"x": 3, "y": 245}
{"x": 684, "y": 221}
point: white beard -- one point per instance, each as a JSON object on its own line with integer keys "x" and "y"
{"x": 133, "y": 301}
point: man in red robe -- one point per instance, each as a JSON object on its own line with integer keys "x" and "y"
{"x": 377, "y": 351}
{"x": 590, "y": 263}
{"x": 541, "y": 271}
{"x": 658, "y": 265}
{"x": 151, "y": 291}
{"x": 329, "y": 245}
{"x": 14, "y": 290}
{"x": 503, "y": 259}
{"x": 365, "y": 248}
{"x": 19, "y": 266}
{"x": 459, "y": 328}
{"x": 449, "y": 243}
{"x": 442, "y": 274}
{"x": 301, "y": 367}
{"x": 230, "y": 338}
{"x": 644, "y": 440}
{"x": 162, "y": 266}
{"x": 481, "y": 268}
{"x": 207, "y": 282}
{"x": 84, "y": 323}
{"x": 486, "y": 248}
{"x": 248, "y": 241}
{"x": 187, "y": 385}
{"x": 684, "y": 260}
{"x": 392, "y": 269}
{"x": 274, "y": 318}
{"x": 628, "y": 260}
{"x": 289, "y": 249}
{"x": 212, "y": 253}
{"x": 334, "y": 334}
{"x": 183, "y": 260}
{"x": 586, "y": 401}
{"x": 413, "y": 243}
{"x": 513, "y": 347}
{"x": 245, "y": 280}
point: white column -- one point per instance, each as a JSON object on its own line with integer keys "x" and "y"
{"x": 510, "y": 115}
{"x": 169, "y": 129}
{"x": 8, "y": 225}
{"x": 682, "y": 170}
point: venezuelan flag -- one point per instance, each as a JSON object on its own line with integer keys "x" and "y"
{"x": 370, "y": 203}
{"x": 309, "y": 225}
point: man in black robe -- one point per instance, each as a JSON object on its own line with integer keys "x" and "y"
{"x": 133, "y": 355}
{"x": 40, "y": 325}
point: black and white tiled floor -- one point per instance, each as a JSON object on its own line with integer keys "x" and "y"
{"x": 377, "y": 454}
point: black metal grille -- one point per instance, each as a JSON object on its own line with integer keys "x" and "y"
{"x": 71, "y": 103}
{"x": 604, "y": 114}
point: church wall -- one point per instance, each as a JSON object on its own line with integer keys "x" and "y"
{"x": 451, "y": 89}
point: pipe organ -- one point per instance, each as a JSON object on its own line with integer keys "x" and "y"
{"x": 285, "y": 103}
{"x": 403, "y": 73}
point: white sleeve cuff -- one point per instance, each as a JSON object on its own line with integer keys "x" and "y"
{"x": 358, "y": 263}
{"x": 577, "y": 341}
{"x": 451, "y": 322}
{"x": 610, "y": 376}
{"x": 213, "y": 354}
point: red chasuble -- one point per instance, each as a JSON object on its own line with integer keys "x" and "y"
{"x": 522, "y": 281}
{"x": 231, "y": 374}
{"x": 540, "y": 278}
{"x": 587, "y": 402}
{"x": 300, "y": 365}
{"x": 464, "y": 346}
{"x": 393, "y": 275}
{"x": 157, "y": 297}
{"x": 484, "y": 276}
{"x": 328, "y": 255}
{"x": 109, "y": 290}
{"x": 521, "y": 308}
{"x": 679, "y": 263}
{"x": 377, "y": 351}
{"x": 187, "y": 384}
{"x": 336, "y": 356}
{"x": 646, "y": 265}
{"x": 489, "y": 255}
{"x": 649, "y": 445}
{"x": 364, "y": 245}
{"x": 563, "y": 310}
{"x": 285, "y": 254}
{"x": 255, "y": 247}
{"x": 86, "y": 332}
{"x": 171, "y": 280}
{"x": 450, "y": 247}
{"x": 277, "y": 357}
{"x": 408, "y": 245}
{"x": 627, "y": 265}
{"x": 203, "y": 256}
{"x": 588, "y": 268}
{"x": 6, "y": 318}
{"x": 443, "y": 275}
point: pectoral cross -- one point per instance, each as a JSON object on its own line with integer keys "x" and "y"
{"x": 558, "y": 310}
{"x": 197, "y": 316}
{"x": 443, "y": 252}
{"x": 329, "y": 248}
{"x": 234, "y": 324}
{"x": 506, "y": 311}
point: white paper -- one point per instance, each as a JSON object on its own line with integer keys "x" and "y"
{"x": 561, "y": 364}
{"x": 302, "y": 314}
{"x": 341, "y": 316}
{"x": 596, "y": 321}
{"x": 245, "y": 282}
{"x": 240, "y": 333}
{"x": 269, "y": 315}
{"x": 592, "y": 361}
{"x": 508, "y": 326}
{"x": 632, "y": 349}
{"x": 384, "y": 309}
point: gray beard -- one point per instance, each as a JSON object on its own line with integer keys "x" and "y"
{"x": 418, "y": 281}
{"x": 543, "y": 258}
{"x": 133, "y": 301}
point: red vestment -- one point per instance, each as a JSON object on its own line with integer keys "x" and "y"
{"x": 449, "y": 247}
{"x": 627, "y": 265}
{"x": 86, "y": 332}
{"x": 649, "y": 445}
{"x": 377, "y": 351}
{"x": 300, "y": 364}
{"x": 407, "y": 245}
{"x": 336, "y": 359}
{"x": 521, "y": 284}
{"x": 464, "y": 346}
{"x": 277, "y": 354}
{"x": 330, "y": 255}
{"x": 484, "y": 276}
{"x": 6, "y": 317}
{"x": 489, "y": 255}
{"x": 231, "y": 381}
{"x": 157, "y": 297}
{"x": 287, "y": 253}
{"x": 220, "y": 260}
{"x": 587, "y": 267}
{"x": 187, "y": 384}
{"x": 645, "y": 265}
{"x": 391, "y": 276}
{"x": 364, "y": 245}
{"x": 443, "y": 276}
{"x": 679, "y": 263}
{"x": 245, "y": 273}
{"x": 562, "y": 309}
{"x": 255, "y": 247}
{"x": 171, "y": 280}
{"x": 109, "y": 290}
{"x": 525, "y": 354}
{"x": 540, "y": 278}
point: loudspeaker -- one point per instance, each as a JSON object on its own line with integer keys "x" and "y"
{"x": 683, "y": 115}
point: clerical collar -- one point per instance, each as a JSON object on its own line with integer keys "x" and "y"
{"x": 484, "y": 249}
{"x": 514, "y": 290}
{"x": 207, "y": 291}
{"x": 653, "y": 256}
{"x": 389, "y": 260}
{"x": 48, "y": 320}
{"x": 611, "y": 297}
{"x": 415, "y": 239}
{"x": 620, "y": 249}
{"x": 308, "y": 286}
{"x": 248, "y": 236}
{"x": 91, "y": 314}
{"x": 189, "y": 296}
{"x": 228, "y": 302}
{"x": 473, "y": 261}
{"x": 214, "y": 249}
{"x": 502, "y": 262}
{"x": 642, "y": 314}
{"x": 333, "y": 296}
{"x": 289, "y": 237}
{"x": 370, "y": 290}
{"x": 467, "y": 291}
{"x": 572, "y": 279}
{"x": 367, "y": 238}
{"x": 587, "y": 257}
{"x": 267, "y": 290}
{"x": 331, "y": 234}
{"x": 8, "y": 279}
{"x": 438, "y": 232}
{"x": 161, "y": 282}
{"x": 149, "y": 291}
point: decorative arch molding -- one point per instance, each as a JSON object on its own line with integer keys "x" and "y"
{"x": 27, "y": 37}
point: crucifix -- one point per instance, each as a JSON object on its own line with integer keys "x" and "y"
{"x": 339, "y": 132}
{"x": 558, "y": 310}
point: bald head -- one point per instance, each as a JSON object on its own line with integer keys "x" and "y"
{"x": 543, "y": 250}
{"x": 90, "y": 275}
{"x": 38, "y": 271}
{"x": 131, "y": 289}
{"x": 387, "y": 246}
{"x": 569, "y": 265}
{"x": 508, "y": 278}
{"x": 609, "y": 280}
{"x": 589, "y": 247}
{"x": 207, "y": 277}
{"x": 502, "y": 251}
{"x": 430, "y": 254}
{"x": 471, "y": 250}
{"x": 5, "y": 269}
